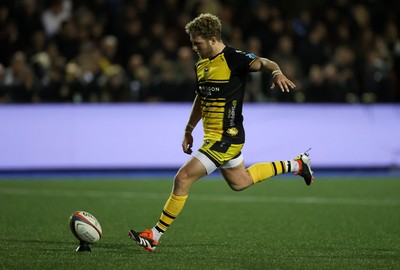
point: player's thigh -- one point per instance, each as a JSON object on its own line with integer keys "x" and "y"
{"x": 191, "y": 171}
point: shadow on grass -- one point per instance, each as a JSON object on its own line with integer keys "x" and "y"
{"x": 67, "y": 246}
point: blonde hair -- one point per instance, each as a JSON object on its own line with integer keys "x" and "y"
{"x": 205, "y": 25}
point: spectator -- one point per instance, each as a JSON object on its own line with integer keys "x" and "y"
{"x": 165, "y": 88}
{"x": 108, "y": 52}
{"x": 3, "y": 91}
{"x": 344, "y": 63}
{"x": 69, "y": 46}
{"x": 291, "y": 66}
{"x": 19, "y": 80}
{"x": 54, "y": 15}
{"x": 314, "y": 85}
{"x": 315, "y": 49}
{"x": 87, "y": 77}
{"x": 67, "y": 39}
{"x": 139, "y": 78}
{"x": 185, "y": 77}
{"x": 377, "y": 81}
{"x": 10, "y": 40}
{"x": 38, "y": 43}
{"x": 116, "y": 88}
{"x": 392, "y": 41}
{"x": 258, "y": 83}
{"x": 29, "y": 20}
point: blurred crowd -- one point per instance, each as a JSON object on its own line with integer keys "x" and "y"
{"x": 74, "y": 51}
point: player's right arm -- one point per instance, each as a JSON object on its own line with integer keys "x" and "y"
{"x": 279, "y": 79}
{"x": 194, "y": 118}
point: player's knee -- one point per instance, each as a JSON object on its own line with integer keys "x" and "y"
{"x": 237, "y": 187}
{"x": 239, "y": 184}
{"x": 181, "y": 176}
{"x": 182, "y": 182}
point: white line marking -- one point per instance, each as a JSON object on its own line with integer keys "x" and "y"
{"x": 301, "y": 200}
{"x": 198, "y": 197}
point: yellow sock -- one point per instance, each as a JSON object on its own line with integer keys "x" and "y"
{"x": 262, "y": 171}
{"x": 171, "y": 210}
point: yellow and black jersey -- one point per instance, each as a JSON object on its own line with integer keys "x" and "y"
{"x": 221, "y": 83}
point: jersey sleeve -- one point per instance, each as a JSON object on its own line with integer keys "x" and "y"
{"x": 241, "y": 61}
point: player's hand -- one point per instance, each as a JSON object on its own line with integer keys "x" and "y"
{"x": 284, "y": 83}
{"x": 187, "y": 143}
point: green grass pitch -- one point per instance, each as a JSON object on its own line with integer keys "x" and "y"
{"x": 351, "y": 223}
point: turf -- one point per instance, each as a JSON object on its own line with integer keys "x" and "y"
{"x": 278, "y": 224}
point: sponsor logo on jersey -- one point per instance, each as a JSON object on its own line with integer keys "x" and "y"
{"x": 249, "y": 55}
{"x": 206, "y": 70}
{"x": 232, "y": 131}
{"x": 232, "y": 113}
{"x": 207, "y": 90}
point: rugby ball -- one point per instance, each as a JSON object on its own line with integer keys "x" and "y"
{"x": 85, "y": 227}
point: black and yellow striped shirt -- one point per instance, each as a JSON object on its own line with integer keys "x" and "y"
{"x": 221, "y": 84}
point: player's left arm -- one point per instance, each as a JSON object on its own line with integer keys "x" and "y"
{"x": 194, "y": 118}
{"x": 279, "y": 79}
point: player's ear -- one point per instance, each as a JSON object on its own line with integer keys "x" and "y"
{"x": 213, "y": 40}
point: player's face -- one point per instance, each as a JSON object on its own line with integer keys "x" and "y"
{"x": 202, "y": 46}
